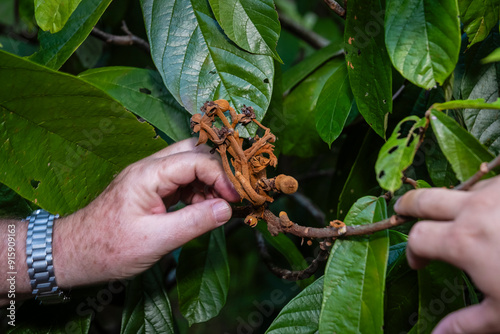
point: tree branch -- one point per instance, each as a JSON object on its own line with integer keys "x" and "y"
{"x": 309, "y": 36}
{"x": 128, "y": 39}
{"x": 484, "y": 169}
{"x": 334, "y": 5}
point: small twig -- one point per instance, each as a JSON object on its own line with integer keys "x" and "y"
{"x": 128, "y": 39}
{"x": 410, "y": 181}
{"x": 484, "y": 169}
{"x": 290, "y": 275}
{"x": 309, "y": 36}
{"x": 309, "y": 206}
{"x": 334, "y": 5}
{"x": 399, "y": 91}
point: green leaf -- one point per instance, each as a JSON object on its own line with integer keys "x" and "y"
{"x": 252, "y": 24}
{"x": 334, "y": 105}
{"x": 398, "y": 152}
{"x": 368, "y": 65}
{"x": 298, "y": 135}
{"x": 478, "y": 18}
{"x": 423, "y": 39}
{"x": 58, "y": 132}
{"x": 459, "y": 104}
{"x": 482, "y": 81}
{"x": 198, "y": 63}
{"x": 142, "y": 92}
{"x": 353, "y": 293}
{"x": 203, "y": 277}
{"x": 439, "y": 168}
{"x": 441, "y": 291}
{"x": 56, "y": 48}
{"x": 52, "y": 14}
{"x": 461, "y": 149}
{"x": 492, "y": 57}
{"x": 147, "y": 308}
{"x": 304, "y": 68}
{"x": 301, "y": 314}
{"x": 288, "y": 249}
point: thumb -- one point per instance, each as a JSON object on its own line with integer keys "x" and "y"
{"x": 178, "y": 227}
{"x": 480, "y": 318}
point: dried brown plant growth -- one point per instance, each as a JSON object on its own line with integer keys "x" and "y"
{"x": 246, "y": 168}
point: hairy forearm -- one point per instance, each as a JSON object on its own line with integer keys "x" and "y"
{"x": 14, "y": 280}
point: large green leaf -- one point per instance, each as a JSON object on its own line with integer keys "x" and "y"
{"x": 334, "y": 105}
{"x": 298, "y": 135}
{"x": 56, "y": 48}
{"x": 368, "y": 65}
{"x": 288, "y": 249}
{"x": 142, "y": 92}
{"x": 52, "y": 14}
{"x": 203, "y": 277}
{"x": 461, "y": 149}
{"x": 301, "y": 314}
{"x": 61, "y": 139}
{"x": 353, "y": 293}
{"x": 439, "y": 168}
{"x": 398, "y": 152}
{"x": 441, "y": 291}
{"x": 423, "y": 39}
{"x": 147, "y": 308}
{"x": 482, "y": 81}
{"x": 478, "y": 17}
{"x": 198, "y": 62}
{"x": 252, "y": 24}
{"x": 299, "y": 72}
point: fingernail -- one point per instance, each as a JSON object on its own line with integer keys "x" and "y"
{"x": 222, "y": 212}
{"x": 396, "y": 205}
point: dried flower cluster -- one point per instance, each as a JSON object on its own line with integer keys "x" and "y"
{"x": 247, "y": 167}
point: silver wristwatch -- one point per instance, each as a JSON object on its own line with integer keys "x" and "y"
{"x": 39, "y": 258}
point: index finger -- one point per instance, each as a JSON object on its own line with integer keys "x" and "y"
{"x": 432, "y": 203}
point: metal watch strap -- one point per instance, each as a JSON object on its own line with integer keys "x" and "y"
{"x": 39, "y": 258}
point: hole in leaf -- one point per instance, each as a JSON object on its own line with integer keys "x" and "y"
{"x": 359, "y": 52}
{"x": 381, "y": 174}
{"x": 266, "y": 80}
{"x": 35, "y": 184}
{"x": 212, "y": 72}
{"x": 405, "y": 129}
{"x": 145, "y": 91}
{"x": 394, "y": 148}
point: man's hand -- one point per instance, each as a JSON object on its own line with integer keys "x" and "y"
{"x": 127, "y": 229}
{"x": 463, "y": 228}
